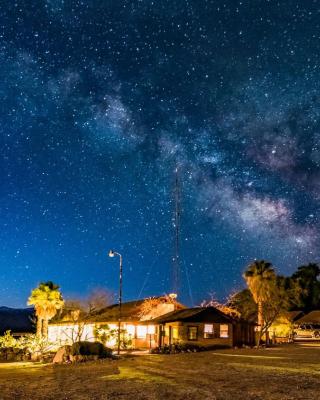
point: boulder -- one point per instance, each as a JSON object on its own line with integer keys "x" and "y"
{"x": 62, "y": 355}
{"x": 90, "y": 349}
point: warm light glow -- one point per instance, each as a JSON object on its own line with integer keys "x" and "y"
{"x": 151, "y": 329}
{"x": 131, "y": 329}
{"x": 208, "y": 331}
{"x": 142, "y": 331}
{"x": 68, "y": 334}
{"x": 224, "y": 331}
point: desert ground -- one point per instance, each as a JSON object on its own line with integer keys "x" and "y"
{"x": 286, "y": 372}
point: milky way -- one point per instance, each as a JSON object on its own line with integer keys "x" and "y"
{"x": 101, "y": 100}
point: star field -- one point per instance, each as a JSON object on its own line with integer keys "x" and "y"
{"x": 99, "y": 103}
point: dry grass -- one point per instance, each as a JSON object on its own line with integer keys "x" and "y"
{"x": 288, "y": 372}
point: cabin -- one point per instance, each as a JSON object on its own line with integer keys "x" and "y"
{"x": 205, "y": 327}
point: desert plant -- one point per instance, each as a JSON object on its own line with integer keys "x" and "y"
{"x": 105, "y": 335}
{"x": 259, "y": 277}
{"x": 35, "y": 344}
{"x": 7, "y": 340}
{"x": 47, "y": 300}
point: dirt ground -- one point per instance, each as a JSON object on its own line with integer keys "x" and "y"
{"x": 287, "y": 372}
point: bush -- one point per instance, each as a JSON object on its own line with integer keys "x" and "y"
{"x": 90, "y": 349}
{"x": 7, "y": 340}
{"x": 184, "y": 348}
{"x": 23, "y": 348}
{"x": 105, "y": 334}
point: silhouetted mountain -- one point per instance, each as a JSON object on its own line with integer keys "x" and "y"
{"x": 17, "y": 320}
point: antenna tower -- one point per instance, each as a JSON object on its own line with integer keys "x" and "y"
{"x": 176, "y": 226}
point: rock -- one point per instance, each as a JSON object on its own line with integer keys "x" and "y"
{"x": 62, "y": 355}
{"x": 36, "y": 356}
{"x": 91, "y": 349}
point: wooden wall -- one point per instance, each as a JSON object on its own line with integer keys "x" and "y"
{"x": 201, "y": 341}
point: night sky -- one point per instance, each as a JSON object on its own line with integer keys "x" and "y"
{"x": 100, "y": 100}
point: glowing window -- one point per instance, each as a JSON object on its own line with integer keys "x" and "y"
{"x": 175, "y": 333}
{"x": 151, "y": 329}
{"x": 192, "y": 332}
{"x": 130, "y": 330}
{"x": 208, "y": 332}
{"x": 141, "y": 331}
{"x": 224, "y": 331}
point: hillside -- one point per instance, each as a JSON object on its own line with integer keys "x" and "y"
{"x": 16, "y": 319}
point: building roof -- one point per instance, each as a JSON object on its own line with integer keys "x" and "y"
{"x": 312, "y": 318}
{"x": 130, "y": 312}
{"x": 196, "y": 314}
{"x": 294, "y": 315}
{"x": 16, "y": 320}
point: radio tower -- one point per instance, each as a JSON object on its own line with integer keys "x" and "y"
{"x": 176, "y": 226}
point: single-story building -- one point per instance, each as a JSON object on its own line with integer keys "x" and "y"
{"x": 165, "y": 322}
{"x": 282, "y": 328}
{"x": 136, "y": 323}
{"x": 203, "y": 326}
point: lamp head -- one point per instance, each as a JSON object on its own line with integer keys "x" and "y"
{"x": 111, "y": 253}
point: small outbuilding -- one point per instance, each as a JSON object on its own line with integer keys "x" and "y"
{"x": 312, "y": 317}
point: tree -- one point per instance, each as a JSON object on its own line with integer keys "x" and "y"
{"x": 98, "y": 299}
{"x": 260, "y": 277}
{"x": 307, "y": 278}
{"x": 79, "y": 311}
{"x": 244, "y": 304}
{"x": 47, "y": 300}
{"x": 150, "y": 307}
{"x": 282, "y": 293}
{"x": 226, "y": 308}
{"x": 273, "y": 294}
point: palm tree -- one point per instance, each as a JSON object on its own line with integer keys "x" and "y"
{"x": 259, "y": 276}
{"x": 47, "y": 300}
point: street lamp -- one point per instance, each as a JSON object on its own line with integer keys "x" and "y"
{"x": 112, "y": 254}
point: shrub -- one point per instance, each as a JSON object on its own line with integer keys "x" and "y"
{"x": 183, "y": 348}
{"x": 7, "y": 340}
{"x": 90, "y": 349}
{"x": 105, "y": 335}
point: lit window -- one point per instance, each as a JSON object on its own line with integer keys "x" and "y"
{"x": 141, "y": 332}
{"x": 175, "y": 332}
{"x": 224, "y": 331}
{"x": 208, "y": 331}
{"x": 151, "y": 329}
{"x": 192, "y": 332}
{"x": 130, "y": 330}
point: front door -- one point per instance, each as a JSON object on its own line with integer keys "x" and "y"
{"x": 170, "y": 335}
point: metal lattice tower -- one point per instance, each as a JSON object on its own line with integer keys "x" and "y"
{"x": 176, "y": 226}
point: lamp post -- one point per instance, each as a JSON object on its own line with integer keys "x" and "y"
{"x": 112, "y": 254}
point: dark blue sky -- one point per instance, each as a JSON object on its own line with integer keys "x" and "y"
{"x": 100, "y": 99}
